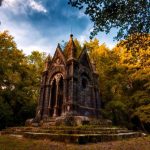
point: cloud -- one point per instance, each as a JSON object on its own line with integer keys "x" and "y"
{"x": 37, "y": 6}
{"x": 32, "y": 31}
{"x": 84, "y": 36}
{"x": 25, "y": 35}
{"x": 23, "y": 6}
{"x": 40, "y": 25}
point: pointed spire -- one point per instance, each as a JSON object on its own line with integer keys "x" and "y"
{"x": 84, "y": 48}
{"x": 48, "y": 59}
{"x": 58, "y": 46}
{"x": 71, "y": 42}
{"x": 71, "y": 36}
{"x": 71, "y": 48}
{"x": 47, "y": 62}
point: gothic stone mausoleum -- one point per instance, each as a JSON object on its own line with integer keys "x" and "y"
{"x": 69, "y": 85}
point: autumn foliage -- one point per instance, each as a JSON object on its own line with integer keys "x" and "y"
{"x": 124, "y": 82}
{"x": 19, "y": 82}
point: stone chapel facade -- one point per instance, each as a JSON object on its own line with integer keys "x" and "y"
{"x": 69, "y": 85}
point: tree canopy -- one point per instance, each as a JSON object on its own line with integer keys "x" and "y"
{"x": 128, "y": 17}
{"x": 124, "y": 82}
{"x": 19, "y": 82}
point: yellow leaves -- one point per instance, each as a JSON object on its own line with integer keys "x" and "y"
{"x": 134, "y": 61}
{"x": 102, "y": 51}
{"x": 135, "y": 42}
{"x": 141, "y": 74}
{"x": 97, "y": 52}
{"x": 14, "y": 77}
{"x": 6, "y": 41}
{"x": 114, "y": 89}
{"x": 143, "y": 113}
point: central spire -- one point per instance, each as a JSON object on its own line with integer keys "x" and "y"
{"x": 70, "y": 50}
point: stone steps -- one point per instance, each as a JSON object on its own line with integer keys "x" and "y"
{"x": 82, "y": 138}
{"x": 66, "y": 130}
{"x": 54, "y": 121}
{"x": 82, "y": 134}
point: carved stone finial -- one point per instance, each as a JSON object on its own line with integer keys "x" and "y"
{"x": 58, "y": 46}
{"x": 71, "y": 36}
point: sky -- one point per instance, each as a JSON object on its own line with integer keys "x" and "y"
{"x": 42, "y": 24}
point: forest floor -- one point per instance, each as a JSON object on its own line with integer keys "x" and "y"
{"x": 19, "y": 143}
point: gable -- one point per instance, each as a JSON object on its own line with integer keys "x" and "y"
{"x": 85, "y": 60}
{"x": 58, "y": 58}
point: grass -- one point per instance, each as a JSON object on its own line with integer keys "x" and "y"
{"x": 17, "y": 143}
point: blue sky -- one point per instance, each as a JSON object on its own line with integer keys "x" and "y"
{"x": 41, "y": 24}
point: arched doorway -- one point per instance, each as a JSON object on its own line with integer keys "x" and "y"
{"x": 56, "y": 100}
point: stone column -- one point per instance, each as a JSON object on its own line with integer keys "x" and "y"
{"x": 64, "y": 96}
{"x": 91, "y": 96}
{"x": 97, "y": 102}
{"x": 45, "y": 111}
{"x": 41, "y": 98}
{"x": 40, "y": 104}
{"x": 94, "y": 100}
{"x": 56, "y": 100}
{"x": 49, "y": 100}
{"x": 42, "y": 94}
{"x": 70, "y": 97}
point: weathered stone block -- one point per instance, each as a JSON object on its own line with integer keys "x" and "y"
{"x": 29, "y": 122}
{"x": 72, "y": 120}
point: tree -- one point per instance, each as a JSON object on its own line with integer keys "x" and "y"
{"x": 19, "y": 82}
{"x": 12, "y": 67}
{"x": 117, "y": 112}
{"x": 124, "y": 81}
{"x": 6, "y": 114}
{"x": 36, "y": 62}
{"x": 137, "y": 88}
{"x": 129, "y": 17}
{"x": 135, "y": 42}
{"x": 141, "y": 117}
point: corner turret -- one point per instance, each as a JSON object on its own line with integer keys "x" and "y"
{"x": 47, "y": 62}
